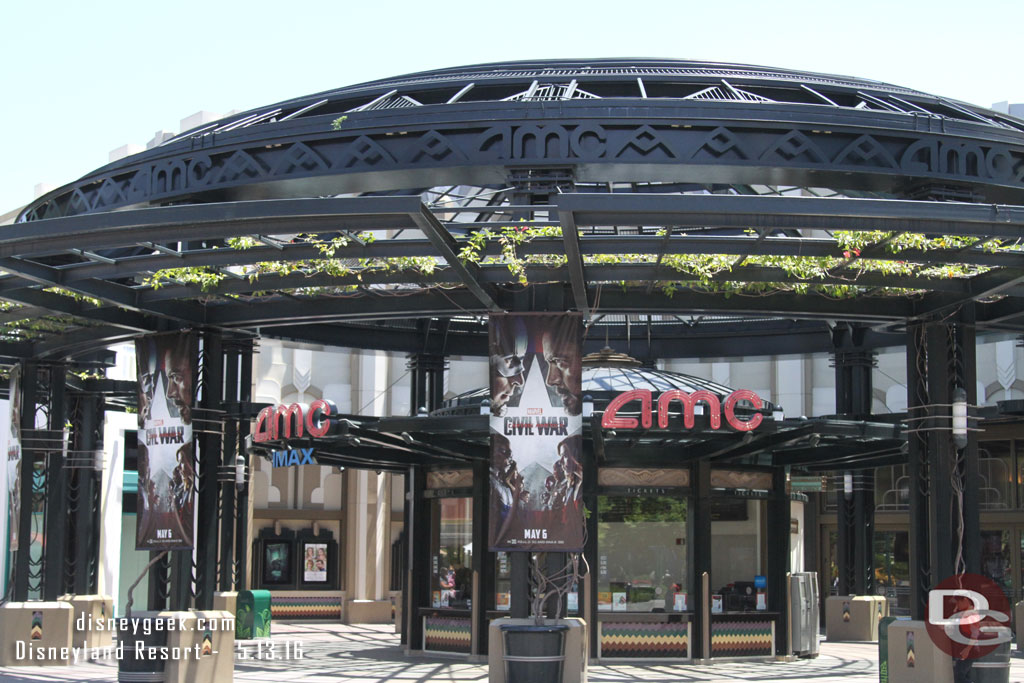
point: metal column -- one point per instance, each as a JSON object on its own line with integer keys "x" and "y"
{"x": 418, "y": 573}
{"x": 209, "y": 427}
{"x": 23, "y": 558}
{"x": 779, "y": 559}
{"x": 966, "y": 354}
{"x": 407, "y": 508}
{"x": 483, "y": 560}
{"x": 856, "y": 508}
{"x": 944, "y": 506}
{"x": 232, "y": 359}
{"x": 918, "y": 471}
{"x": 84, "y": 501}
{"x": 55, "y": 545}
{"x": 700, "y": 532}
{"x": 588, "y": 591}
{"x": 426, "y": 391}
{"x": 242, "y": 506}
{"x": 941, "y": 454}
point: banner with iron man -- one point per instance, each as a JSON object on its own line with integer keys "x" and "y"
{"x": 166, "y": 370}
{"x": 536, "y": 432}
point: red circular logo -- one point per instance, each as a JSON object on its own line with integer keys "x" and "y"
{"x": 968, "y": 616}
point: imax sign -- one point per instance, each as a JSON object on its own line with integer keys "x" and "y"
{"x": 296, "y": 456}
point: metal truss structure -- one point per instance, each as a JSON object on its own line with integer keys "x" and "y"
{"x": 636, "y": 164}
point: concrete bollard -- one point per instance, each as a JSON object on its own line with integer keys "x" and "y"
{"x": 36, "y": 634}
{"x": 90, "y": 611}
{"x": 854, "y": 617}
{"x": 226, "y": 601}
{"x": 367, "y": 612}
{"x": 913, "y": 657}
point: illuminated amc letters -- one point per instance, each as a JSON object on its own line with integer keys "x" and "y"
{"x": 716, "y": 409}
{"x": 297, "y": 420}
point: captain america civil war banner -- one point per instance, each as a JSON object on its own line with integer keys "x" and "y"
{"x": 166, "y": 367}
{"x": 14, "y": 459}
{"x": 536, "y": 433}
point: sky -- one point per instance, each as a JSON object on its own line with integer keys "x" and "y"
{"x": 80, "y": 79}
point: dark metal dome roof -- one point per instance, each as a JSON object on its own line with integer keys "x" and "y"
{"x": 623, "y": 78}
{"x": 686, "y": 208}
{"x": 448, "y": 126}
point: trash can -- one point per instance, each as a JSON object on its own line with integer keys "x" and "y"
{"x": 253, "y": 616}
{"x": 138, "y": 664}
{"x": 534, "y": 653}
{"x": 993, "y": 667}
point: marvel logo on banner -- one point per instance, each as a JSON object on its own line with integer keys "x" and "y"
{"x": 716, "y": 409}
{"x": 295, "y": 420}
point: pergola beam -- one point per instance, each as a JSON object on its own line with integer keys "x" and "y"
{"x": 1005, "y": 281}
{"x": 56, "y": 303}
{"x": 578, "y": 214}
{"x": 196, "y": 222}
{"x": 590, "y": 245}
{"x": 495, "y": 273}
{"x": 108, "y": 292}
{"x": 448, "y": 248}
{"x": 834, "y": 455}
{"x": 785, "y": 212}
{"x": 574, "y": 263}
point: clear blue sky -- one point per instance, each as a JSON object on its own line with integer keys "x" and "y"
{"x": 82, "y": 78}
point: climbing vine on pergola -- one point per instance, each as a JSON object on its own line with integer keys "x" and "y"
{"x": 858, "y": 255}
{"x": 259, "y": 265}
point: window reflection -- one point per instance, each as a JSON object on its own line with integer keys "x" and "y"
{"x": 642, "y": 554}
{"x": 892, "y": 569}
{"x": 736, "y": 551}
{"x": 995, "y": 469}
{"x": 995, "y": 558}
{"x": 452, "y": 553}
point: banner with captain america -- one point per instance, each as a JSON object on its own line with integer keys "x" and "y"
{"x": 166, "y": 369}
{"x": 14, "y": 459}
{"x": 536, "y": 432}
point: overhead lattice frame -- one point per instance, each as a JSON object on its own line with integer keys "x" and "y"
{"x": 427, "y": 273}
{"x": 685, "y": 208}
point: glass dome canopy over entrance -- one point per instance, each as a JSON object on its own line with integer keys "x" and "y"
{"x": 606, "y": 374}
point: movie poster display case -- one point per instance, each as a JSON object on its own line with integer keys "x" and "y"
{"x": 302, "y": 569}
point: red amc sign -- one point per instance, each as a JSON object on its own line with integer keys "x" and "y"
{"x": 611, "y": 420}
{"x": 297, "y": 419}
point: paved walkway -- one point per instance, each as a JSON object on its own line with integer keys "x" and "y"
{"x": 372, "y": 654}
